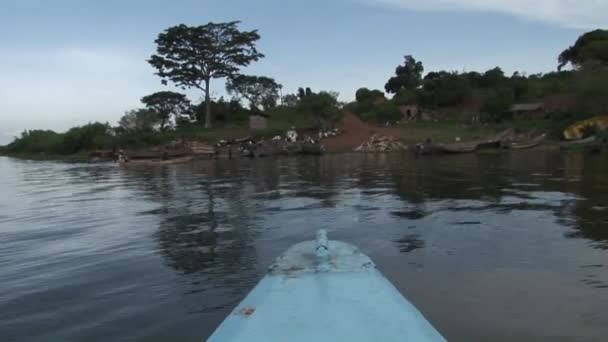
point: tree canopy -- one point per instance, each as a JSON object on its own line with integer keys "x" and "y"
{"x": 323, "y": 105}
{"x": 407, "y": 76}
{"x": 260, "y": 91}
{"x": 166, "y": 104}
{"x": 190, "y": 56}
{"x": 591, "y": 47}
{"x": 141, "y": 119}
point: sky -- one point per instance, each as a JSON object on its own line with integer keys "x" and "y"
{"x": 69, "y": 62}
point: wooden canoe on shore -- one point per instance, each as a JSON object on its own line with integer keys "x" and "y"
{"x": 520, "y": 144}
{"x": 465, "y": 147}
{"x": 325, "y": 291}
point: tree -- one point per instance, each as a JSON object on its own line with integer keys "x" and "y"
{"x": 366, "y": 95}
{"x": 323, "y": 105}
{"x": 290, "y": 100}
{"x": 498, "y": 102}
{"x": 190, "y": 56}
{"x": 443, "y": 89}
{"x": 258, "y": 90}
{"x": 139, "y": 120}
{"x": 303, "y": 93}
{"x": 166, "y": 104}
{"x": 492, "y": 78}
{"x": 591, "y": 47}
{"x": 407, "y": 76}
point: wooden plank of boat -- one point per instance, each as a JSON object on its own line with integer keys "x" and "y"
{"x": 325, "y": 291}
{"x": 587, "y": 143}
{"x": 525, "y": 143}
{"x": 465, "y": 147}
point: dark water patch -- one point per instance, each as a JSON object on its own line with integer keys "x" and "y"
{"x": 411, "y": 215}
{"x": 410, "y": 243}
{"x": 466, "y": 223}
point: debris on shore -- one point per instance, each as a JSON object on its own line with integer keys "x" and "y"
{"x": 381, "y": 143}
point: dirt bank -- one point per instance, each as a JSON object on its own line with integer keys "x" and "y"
{"x": 354, "y": 132}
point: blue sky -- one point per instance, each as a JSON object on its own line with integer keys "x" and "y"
{"x": 69, "y": 62}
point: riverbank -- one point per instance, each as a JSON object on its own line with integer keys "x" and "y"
{"x": 353, "y": 132}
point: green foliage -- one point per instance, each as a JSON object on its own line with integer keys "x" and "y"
{"x": 382, "y": 113}
{"x": 260, "y": 91}
{"x": 323, "y": 106}
{"x": 592, "y": 92}
{"x": 497, "y": 103}
{"x": 304, "y": 92}
{"x": 290, "y": 100}
{"x": 224, "y": 112}
{"x": 190, "y": 56}
{"x": 366, "y": 99}
{"x": 36, "y": 141}
{"x": 591, "y": 47}
{"x": 366, "y": 95}
{"x": 407, "y": 76}
{"x": 138, "y": 120}
{"x": 83, "y": 138}
{"x": 87, "y": 137}
{"x": 492, "y": 78}
{"x": 444, "y": 89}
{"x": 166, "y": 104}
{"x": 407, "y": 97}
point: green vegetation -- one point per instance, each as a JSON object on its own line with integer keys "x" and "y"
{"x": 590, "y": 48}
{"x": 473, "y": 97}
{"x": 260, "y": 91}
{"x": 166, "y": 104}
{"x": 440, "y": 104}
{"x": 190, "y": 56}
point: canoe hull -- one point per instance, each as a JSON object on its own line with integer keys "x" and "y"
{"x": 347, "y": 300}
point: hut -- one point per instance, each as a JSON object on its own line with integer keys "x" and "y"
{"x": 409, "y": 112}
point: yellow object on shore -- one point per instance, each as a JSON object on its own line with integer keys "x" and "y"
{"x": 577, "y": 130}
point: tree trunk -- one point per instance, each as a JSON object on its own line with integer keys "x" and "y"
{"x": 163, "y": 124}
{"x": 207, "y": 104}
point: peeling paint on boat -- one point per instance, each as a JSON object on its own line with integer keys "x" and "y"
{"x": 325, "y": 291}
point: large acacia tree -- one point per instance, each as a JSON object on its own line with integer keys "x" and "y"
{"x": 258, "y": 90}
{"x": 166, "y": 104}
{"x": 190, "y": 56}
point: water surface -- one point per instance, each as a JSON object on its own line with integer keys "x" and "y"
{"x": 490, "y": 247}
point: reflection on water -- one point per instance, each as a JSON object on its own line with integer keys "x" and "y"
{"x": 491, "y": 247}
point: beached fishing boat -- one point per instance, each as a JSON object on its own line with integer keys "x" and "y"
{"x": 591, "y": 143}
{"x": 523, "y": 143}
{"x": 325, "y": 291}
{"x": 464, "y": 147}
{"x": 154, "y": 157}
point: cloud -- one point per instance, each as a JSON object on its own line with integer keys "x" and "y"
{"x": 579, "y": 14}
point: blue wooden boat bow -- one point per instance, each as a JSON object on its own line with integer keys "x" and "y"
{"x": 321, "y": 291}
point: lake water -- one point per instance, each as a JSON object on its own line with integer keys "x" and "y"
{"x": 490, "y": 247}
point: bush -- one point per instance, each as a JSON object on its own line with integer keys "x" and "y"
{"x": 323, "y": 106}
{"x": 87, "y": 137}
{"x": 497, "y": 103}
{"x": 36, "y": 141}
{"x": 381, "y": 113}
